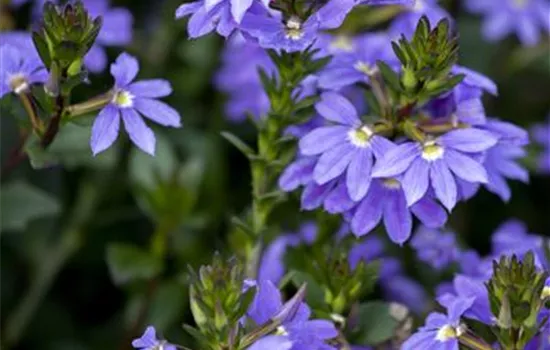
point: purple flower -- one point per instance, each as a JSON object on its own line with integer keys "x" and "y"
{"x": 440, "y": 331}
{"x": 386, "y": 200}
{"x": 19, "y": 70}
{"x": 437, "y": 249}
{"x": 368, "y": 250}
{"x": 404, "y": 290}
{"x": 512, "y": 237}
{"x": 437, "y": 162}
{"x": 347, "y": 147}
{"x": 358, "y": 64}
{"x": 303, "y": 333}
{"x": 22, "y": 41}
{"x": 116, "y": 30}
{"x": 130, "y": 99}
{"x": 502, "y": 17}
{"x": 541, "y": 135}
{"x": 224, "y": 16}
{"x": 149, "y": 341}
{"x": 472, "y": 265}
{"x": 467, "y": 288}
{"x": 294, "y": 33}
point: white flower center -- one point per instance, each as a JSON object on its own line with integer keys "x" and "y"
{"x": 343, "y": 43}
{"x": 432, "y": 151}
{"x": 419, "y": 6}
{"x": 123, "y": 99}
{"x": 545, "y": 292}
{"x": 360, "y": 137}
{"x": 281, "y": 331}
{"x": 391, "y": 183}
{"x": 18, "y": 83}
{"x": 364, "y": 67}
{"x": 293, "y": 28}
{"x": 448, "y": 332}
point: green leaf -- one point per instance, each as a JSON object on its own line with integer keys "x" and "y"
{"x": 375, "y": 324}
{"x": 390, "y": 77}
{"x": 128, "y": 263}
{"x": 238, "y": 143}
{"x": 315, "y": 296}
{"x": 21, "y": 203}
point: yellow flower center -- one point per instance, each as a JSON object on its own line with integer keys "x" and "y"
{"x": 281, "y": 331}
{"x": 293, "y": 28}
{"x": 343, "y": 43}
{"x": 545, "y": 293}
{"x": 18, "y": 83}
{"x": 123, "y": 99}
{"x": 360, "y": 137}
{"x": 364, "y": 67}
{"x": 445, "y": 333}
{"x": 432, "y": 151}
{"x": 519, "y": 3}
{"x": 391, "y": 183}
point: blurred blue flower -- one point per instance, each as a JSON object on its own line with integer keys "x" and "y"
{"x": 541, "y": 136}
{"x": 272, "y": 342}
{"x": 130, "y": 99}
{"x": 434, "y": 247}
{"x": 405, "y": 23}
{"x": 19, "y": 70}
{"x": 525, "y": 18}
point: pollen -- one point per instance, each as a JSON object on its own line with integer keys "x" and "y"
{"x": 123, "y": 99}
{"x": 18, "y": 83}
{"x": 391, "y": 183}
{"x": 446, "y": 332}
{"x": 293, "y": 28}
{"x": 360, "y": 137}
{"x": 364, "y": 67}
{"x": 432, "y": 151}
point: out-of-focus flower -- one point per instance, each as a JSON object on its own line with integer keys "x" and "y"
{"x": 512, "y": 237}
{"x": 525, "y": 18}
{"x": 405, "y": 23}
{"x": 149, "y": 341}
{"x": 436, "y": 248}
{"x": 116, "y": 30}
{"x": 130, "y": 99}
{"x": 19, "y": 70}
{"x": 541, "y": 136}
{"x": 272, "y": 342}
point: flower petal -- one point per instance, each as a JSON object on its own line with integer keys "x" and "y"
{"x": 140, "y": 134}
{"x": 369, "y": 211}
{"x": 297, "y": 173}
{"x": 187, "y": 9}
{"x": 396, "y": 160}
{"x": 469, "y": 140}
{"x": 358, "y": 176}
{"x": 397, "y": 217}
{"x": 158, "y": 111}
{"x": 239, "y": 8}
{"x": 105, "y": 129}
{"x": 314, "y": 195}
{"x": 323, "y": 139}
{"x": 338, "y": 200}
{"x": 338, "y": 109}
{"x": 124, "y": 70}
{"x": 333, "y": 163}
{"x": 416, "y": 181}
{"x": 465, "y": 167}
{"x": 429, "y": 213}
{"x": 153, "y": 88}
{"x": 443, "y": 184}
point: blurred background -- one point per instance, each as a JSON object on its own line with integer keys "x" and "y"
{"x": 94, "y": 249}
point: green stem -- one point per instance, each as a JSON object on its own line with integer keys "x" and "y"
{"x": 473, "y": 342}
{"x": 91, "y": 105}
{"x": 70, "y": 242}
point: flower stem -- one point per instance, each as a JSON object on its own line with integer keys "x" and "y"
{"x": 70, "y": 242}
{"x": 91, "y": 105}
{"x": 37, "y": 125}
{"x": 473, "y": 342}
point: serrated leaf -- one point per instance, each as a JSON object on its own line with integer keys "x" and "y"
{"x": 129, "y": 263}
{"x": 390, "y": 76}
{"x": 239, "y": 144}
{"x": 22, "y": 203}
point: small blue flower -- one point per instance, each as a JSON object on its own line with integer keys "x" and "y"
{"x": 130, "y": 99}
{"x": 19, "y": 69}
{"x": 440, "y": 331}
{"x": 149, "y": 341}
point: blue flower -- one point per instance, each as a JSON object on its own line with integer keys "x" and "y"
{"x": 272, "y": 342}
{"x": 437, "y": 162}
{"x": 406, "y": 22}
{"x": 436, "y": 248}
{"x": 525, "y": 18}
{"x": 19, "y": 69}
{"x": 303, "y": 333}
{"x": 440, "y": 331}
{"x": 541, "y": 136}
{"x": 222, "y": 15}
{"x": 149, "y": 341}
{"x": 129, "y": 100}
